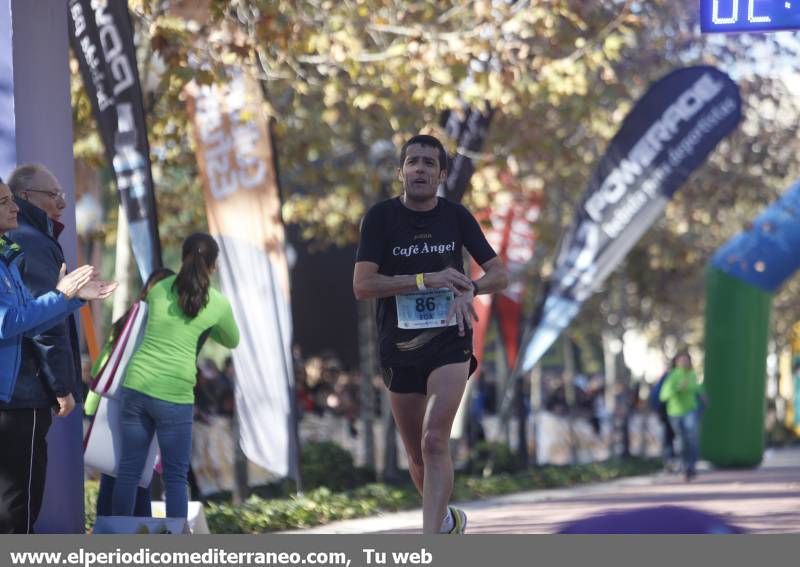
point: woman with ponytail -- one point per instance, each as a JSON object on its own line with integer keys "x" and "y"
{"x": 158, "y": 392}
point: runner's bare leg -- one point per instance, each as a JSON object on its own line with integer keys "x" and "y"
{"x": 409, "y": 413}
{"x": 445, "y": 388}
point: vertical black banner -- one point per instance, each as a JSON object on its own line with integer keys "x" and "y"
{"x": 102, "y": 39}
{"x": 469, "y": 128}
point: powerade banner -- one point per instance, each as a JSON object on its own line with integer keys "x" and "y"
{"x": 666, "y": 136}
{"x": 767, "y": 253}
{"x": 102, "y": 39}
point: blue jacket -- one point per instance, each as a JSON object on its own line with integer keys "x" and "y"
{"x": 22, "y": 314}
{"x": 51, "y": 363}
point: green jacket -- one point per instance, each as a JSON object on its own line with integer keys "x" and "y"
{"x": 680, "y": 392}
{"x": 165, "y": 365}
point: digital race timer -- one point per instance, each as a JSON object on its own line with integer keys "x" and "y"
{"x": 749, "y": 15}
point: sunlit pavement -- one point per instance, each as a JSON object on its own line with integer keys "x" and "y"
{"x": 761, "y": 500}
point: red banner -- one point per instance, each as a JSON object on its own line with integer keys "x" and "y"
{"x": 511, "y": 234}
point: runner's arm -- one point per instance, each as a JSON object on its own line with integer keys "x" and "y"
{"x": 369, "y": 284}
{"x": 496, "y": 277}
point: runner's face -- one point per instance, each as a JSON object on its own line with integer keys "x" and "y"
{"x": 421, "y": 173}
{"x": 8, "y": 209}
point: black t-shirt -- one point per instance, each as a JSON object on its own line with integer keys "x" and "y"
{"x": 402, "y": 241}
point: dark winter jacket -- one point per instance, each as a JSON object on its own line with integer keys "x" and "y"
{"x": 22, "y": 315}
{"x": 50, "y": 365}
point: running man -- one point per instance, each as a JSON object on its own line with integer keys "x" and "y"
{"x": 410, "y": 259}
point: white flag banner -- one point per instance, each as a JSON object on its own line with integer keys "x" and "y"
{"x": 234, "y": 154}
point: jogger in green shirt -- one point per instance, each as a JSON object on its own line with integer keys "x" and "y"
{"x": 682, "y": 394}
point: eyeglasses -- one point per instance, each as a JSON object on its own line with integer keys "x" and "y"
{"x": 52, "y": 194}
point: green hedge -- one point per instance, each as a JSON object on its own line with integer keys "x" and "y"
{"x": 90, "y": 489}
{"x": 318, "y": 506}
{"x": 505, "y": 460}
{"x": 321, "y": 505}
{"x": 326, "y": 464}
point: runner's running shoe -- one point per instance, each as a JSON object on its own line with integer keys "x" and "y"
{"x": 459, "y": 520}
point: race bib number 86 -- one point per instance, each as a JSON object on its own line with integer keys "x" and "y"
{"x": 424, "y": 309}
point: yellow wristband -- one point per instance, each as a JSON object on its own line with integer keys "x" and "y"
{"x": 420, "y": 281}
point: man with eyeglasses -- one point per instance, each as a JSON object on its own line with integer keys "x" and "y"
{"x": 35, "y": 184}
{"x": 50, "y": 371}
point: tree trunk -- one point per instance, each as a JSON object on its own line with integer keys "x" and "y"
{"x": 368, "y": 364}
{"x": 241, "y": 485}
{"x": 536, "y": 406}
{"x": 391, "y": 471}
{"x": 569, "y": 395}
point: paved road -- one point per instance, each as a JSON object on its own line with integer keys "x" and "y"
{"x": 762, "y": 500}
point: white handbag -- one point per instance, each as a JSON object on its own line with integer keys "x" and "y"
{"x": 102, "y": 444}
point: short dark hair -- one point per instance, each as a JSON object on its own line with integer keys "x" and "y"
{"x": 425, "y": 140}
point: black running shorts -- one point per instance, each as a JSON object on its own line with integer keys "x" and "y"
{"x": 414, "y": 379}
